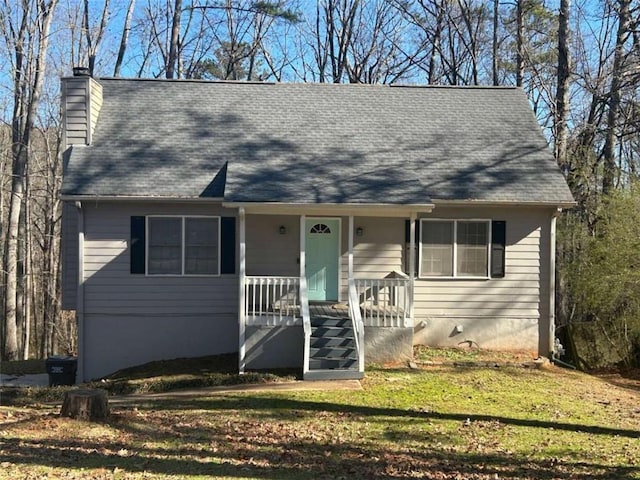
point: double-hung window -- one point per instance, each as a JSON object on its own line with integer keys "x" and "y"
{"x": 455, "y": 248}
{"x": 183, "y": 245}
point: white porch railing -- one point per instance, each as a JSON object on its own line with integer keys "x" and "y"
{"x": 272, "y": 301}
{"x": 385, "y": 302}
{"x": 358, "y": 325}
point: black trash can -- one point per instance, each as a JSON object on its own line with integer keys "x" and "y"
{"x": 62, "y": 370}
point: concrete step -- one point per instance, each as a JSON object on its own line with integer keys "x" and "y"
{"x": 332, "y": 363}
{"x": 333, "y": 375}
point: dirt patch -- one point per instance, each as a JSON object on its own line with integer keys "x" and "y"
{"x": 629, "y": 378}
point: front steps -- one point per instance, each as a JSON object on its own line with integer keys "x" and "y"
{"x": 332, "y": 349}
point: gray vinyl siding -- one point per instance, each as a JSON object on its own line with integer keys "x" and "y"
{"x": 69, "y": 256}
{"x": 81, "y": 100}
{"x": 515, "y": 295}
{"x": 377, "y": 253}
{"x": 268, "y": 252}
{"x": 76, "y": 114}
{"x": 507, "y": 308}
{"x": 135, "y": 318}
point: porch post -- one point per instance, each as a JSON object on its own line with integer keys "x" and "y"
{"x": 412, "y": 263}
{"x": 350, "y": 277}
{"x": 80, "y": 295}
{"x": 303, "y": 228}
{"x": 241, "y": 317}
{"x": 552, "y": 285}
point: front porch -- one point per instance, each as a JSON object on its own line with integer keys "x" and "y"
{"x": 328, "y": 339}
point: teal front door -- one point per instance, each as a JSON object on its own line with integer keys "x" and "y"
{"x": 322, "y": 253}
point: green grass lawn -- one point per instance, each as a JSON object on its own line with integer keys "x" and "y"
{"x": 436, "y": 422}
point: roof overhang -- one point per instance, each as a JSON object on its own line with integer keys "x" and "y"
{"x": 138, "y": 198}
{"x": 503, "y": 203}
{"x": 360, "y": 209}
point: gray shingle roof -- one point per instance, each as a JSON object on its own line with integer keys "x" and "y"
{"x": 315, "y": 143}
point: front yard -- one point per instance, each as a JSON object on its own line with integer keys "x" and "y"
{"x": 437, "y": 423}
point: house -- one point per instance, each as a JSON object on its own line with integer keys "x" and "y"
{"x": 319, "y": 226}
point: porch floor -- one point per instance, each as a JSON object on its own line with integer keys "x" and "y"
{"x": 328, "y": 309}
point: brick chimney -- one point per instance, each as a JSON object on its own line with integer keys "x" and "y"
{"x": 81, "y": 102}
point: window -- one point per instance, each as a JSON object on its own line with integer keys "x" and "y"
{"x": 320, "y": 228}
{"x": 183, "y": 245}
{"x": 454, "y": 248}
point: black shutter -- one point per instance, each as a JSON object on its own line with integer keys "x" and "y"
{"x": 498, "y": 243}
{"x": 137, "y": 245}
{"x": 407, "y": 240}
{"x": 228, "y": 245}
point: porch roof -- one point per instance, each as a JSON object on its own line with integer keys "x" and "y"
{"x": 315, "y": 144}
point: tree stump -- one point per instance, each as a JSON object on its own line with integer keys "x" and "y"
{"x": 85, "y": 404}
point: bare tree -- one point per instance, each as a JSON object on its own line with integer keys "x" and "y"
{"x": 26, "y": 31}
{"x": 93, "y": 39}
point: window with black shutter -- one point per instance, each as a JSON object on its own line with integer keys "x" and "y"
{"x": 182, "y": 245}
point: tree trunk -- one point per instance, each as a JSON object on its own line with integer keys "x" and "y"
{"x": 608, "y": 153}
{"x": 494, "y": 63}
{"x": 27, "y": 272}
{"x": 11, "y": 255}
{"x": 85, "y": 404}
{"x": 562, "y": 95}
{"x": 519, "y": 43}
{"x": 172, "y": 60}
{"x": 124, "y": 41}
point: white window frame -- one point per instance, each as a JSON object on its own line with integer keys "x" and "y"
{"x": 182, "y": 246}
{"x": 454, "y": 258}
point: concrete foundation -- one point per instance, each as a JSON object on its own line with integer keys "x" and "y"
{"x": 274, "y": 347}
{"x": 388, "y": 344}
{"x": 486, "y": 333}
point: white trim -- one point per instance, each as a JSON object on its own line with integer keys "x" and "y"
{"x": 412, "y": 264}
{"x": 242, "y": 293}
{"x": 182, "y": 246}
{"x": 80, "y": 295}
{"x": 339, "y": 219}
{"x": 303, "y": 245}
{"x": 88, "y": 104}
{"x": 65, "y": 116}
{"x": 350, "y": 244}
{"x": 454, "y": 259}
{"x": 330, "y": 209}
{"x": 552, "y": 286}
